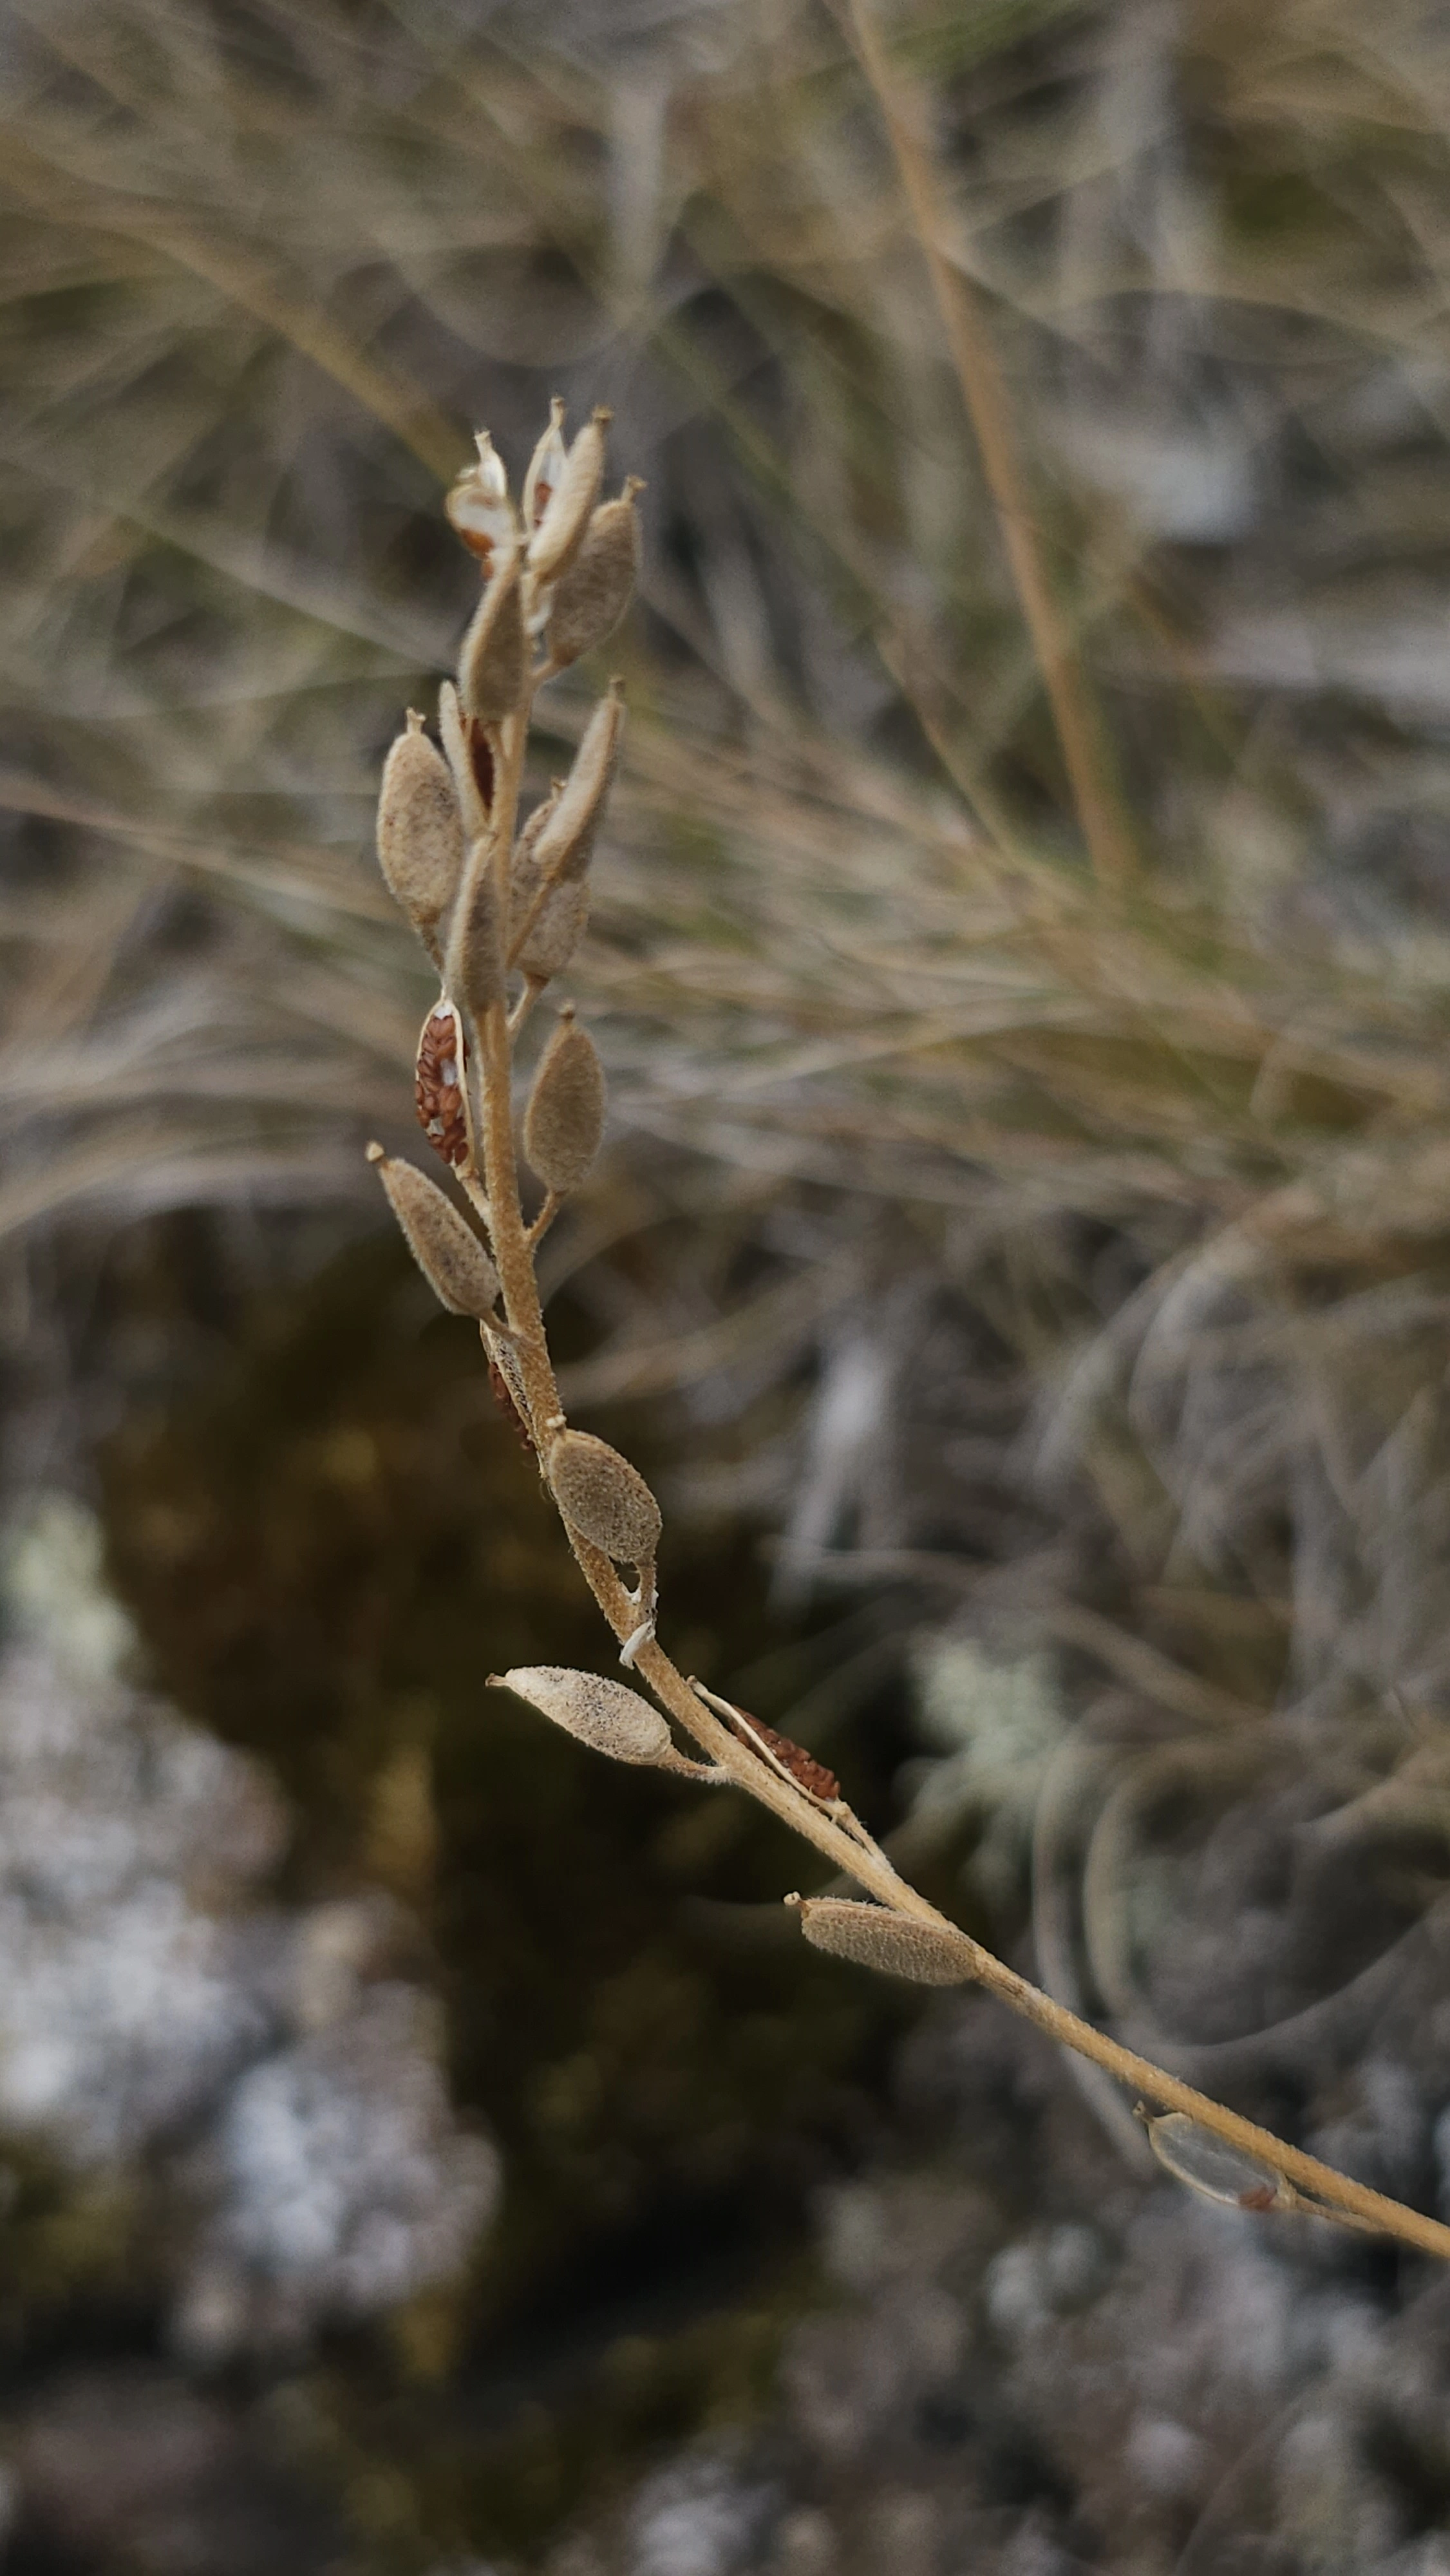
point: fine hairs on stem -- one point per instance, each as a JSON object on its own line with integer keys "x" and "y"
{"x": 500, "y": 903}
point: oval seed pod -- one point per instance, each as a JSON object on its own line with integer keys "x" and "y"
{"x": 546, "y": 466}
{"x": 607, "y": 1500}
{"x": 560, "y": 532}
{"x": 566, "y": 842}
{"x": 445, "y": 1247}
{"x": 493, "y": 659}
{"x": 598, "y": 586}
{"x": 605, "y": 1715}
{"x": 420, "y": 832}
{"x": 1209, "y": 2165}
{"x": 564, "y": 1121}
{"x": 478, "y": 508}
{"x": 545, "y": 926}
{"x": 473, "y": 969}
{"x": 874, "y": 1938}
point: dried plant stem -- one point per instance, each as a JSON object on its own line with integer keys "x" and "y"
{"x": 1099, "y": 809}
{"x": 609, "y": 1515}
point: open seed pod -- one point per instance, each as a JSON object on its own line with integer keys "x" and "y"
{"x": 604, "y": 1715}
{"x": 897, "y": 1944}
{"x": 443, "y": 1243}
{"x": 605, "y": 1499}
{"x": 564, "y": 1121}
{"x": 420, "y": 831}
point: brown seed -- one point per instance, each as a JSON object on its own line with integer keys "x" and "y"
{"x": 566, "y": 842}
{"x": 605, "y": 1715}
{"x": 439, "y": 1084}
{"x": 804, "y": 1769}
{"x": 445, "y": 1247}
{"x": 564, "y": 1121}
{"x": 420, "y": 833}
{"x": 594, "y": 593}
{"x": 473, "y": 969}
{"x": 478, "y": 508}
{"x": 508, "y": 1405}
{"x": 897, "y": 1944}
{"x": 605, "y": 1499}
{"x": 493, "y": 659}
{"x": 560, "y": 532}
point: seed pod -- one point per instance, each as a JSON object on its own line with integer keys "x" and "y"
{"x": 493, "y": 659}
{"x": 545, "y": 927}
{"x": 546, "y": 465}
{"x": 438, "y": 1087}
{"x": 874, "y": 1938}
{"x": 1211, "y": 2166}
{"x": 602, "y": 1714}
{"x": 478, "y": 509}
{"x": 420, "y": 835}
{"x": 606, "y": 1500}
{"x": 564, "y": 1121}
{"x": 560, "y": 532}
{"x": 470, "y": 758}
{"x": 445, "y": 1247}
{"x": 566, "y": 842}
{"x": 473, "y": 970}
{"x": 594, "y": 593}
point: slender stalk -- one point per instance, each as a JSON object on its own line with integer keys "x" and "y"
{"x": 974, "y": 360}
{"x": 828, "y": 1826}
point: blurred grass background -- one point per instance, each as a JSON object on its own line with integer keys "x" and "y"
{"x": 1021, "y": 1259}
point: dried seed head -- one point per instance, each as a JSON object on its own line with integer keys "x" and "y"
{"x": 473, "y": 969}
{"x": 594, "y": 593}
{"x": 470, "y": 759}
{"x": 564, "y": 1121}
{"x": 445, "y": 1247}
{"x": 493, "y": 659}
{"x": 560, "y": 532}
{"x": 546, "y": 466}
{"x": 603, "y": 1714}
{"x": 606, "y": 1500}
{"x": 895, "y": 1943}
{"x": 478, "y": 509}
{"x": 566, "y": 842}
{"x": 420, "y": 835}
{"x": 439, "y": 1089}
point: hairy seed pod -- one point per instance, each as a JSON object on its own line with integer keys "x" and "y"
{"x": 560, "y": 532}
{"x": 546, "y": 465}
{"x": 493, "y": 658}
{"x": 602, "y": 1714}
{"x": 895, "y": 1943}
{"x": 564, "y": 1121}
{"x": 438, "y": 1088}
{"x": 478, "y": 509}
{"x": 420, "y": 834}
{"x": 598, "y": 586}
{"x": 469, "y": 755}
{"x": 556, "y": 921}
{"x": 566, "y": 843}
{"x": 444, "y": 1245}
{"x": 473, "y": 968}
{"x": 605, "y": 1499}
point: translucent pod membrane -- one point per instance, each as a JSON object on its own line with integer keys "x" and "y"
{"x": 1193, "y": 2155}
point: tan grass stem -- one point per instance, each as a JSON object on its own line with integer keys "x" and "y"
{"x": 979, "y": 376}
